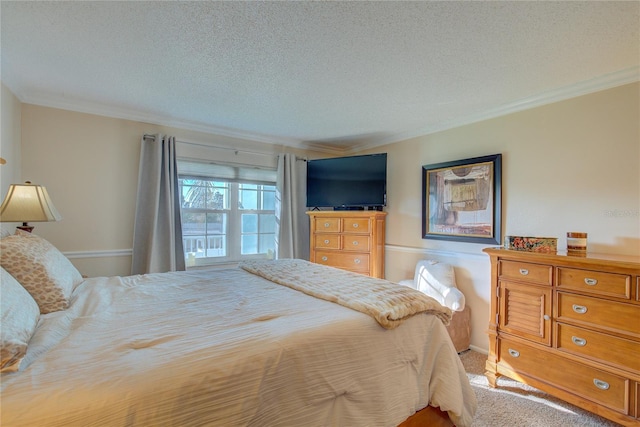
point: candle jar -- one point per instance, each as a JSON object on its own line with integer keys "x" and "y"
{"x": 576, "y": 243}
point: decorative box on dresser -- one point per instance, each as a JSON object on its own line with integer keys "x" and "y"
{"x": 570, "y": 326}
{"x": 350, "y": 240}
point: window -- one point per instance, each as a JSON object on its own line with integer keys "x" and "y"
{"x": 228, "y": 212}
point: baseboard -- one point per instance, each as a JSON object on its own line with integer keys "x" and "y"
{"x": 479, "y": 349}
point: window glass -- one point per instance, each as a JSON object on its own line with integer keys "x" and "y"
{"x": 267, "y": 243}
{"x": 267, "y": 223}
{"x": 249, "y": 244}
{"x": 269, "y": 197}
{"x": 249, "y": 223}
{"x": 219, "y": 197}
{"x": 216, "y": 223}
{"x": 248, "y": 198}
{"x": 224, "y": 220}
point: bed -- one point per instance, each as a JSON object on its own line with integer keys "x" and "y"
{"x": 262, "y": 344}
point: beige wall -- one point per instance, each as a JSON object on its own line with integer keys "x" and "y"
{"x": 568, "y": 166}
{"x": 89, "y": 165}
{"x": 10, "y": 136}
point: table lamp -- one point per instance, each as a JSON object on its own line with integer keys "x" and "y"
{"x": 28, "y": 203}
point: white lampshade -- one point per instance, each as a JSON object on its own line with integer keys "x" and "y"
{"x": 28, "y": 203}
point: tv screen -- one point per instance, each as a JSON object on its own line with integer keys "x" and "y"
{"x": 347, "y": 182}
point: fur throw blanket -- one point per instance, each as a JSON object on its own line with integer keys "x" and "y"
{"x": 387, "y": 302}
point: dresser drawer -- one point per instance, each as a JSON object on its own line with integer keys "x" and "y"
{"x": 600, "y": 347}
{"x": 598, "y": 313}
{"x": 358, "y": 262}
{"x": 595, "y": 282}
{"x": 522, "y": 271}
{"x": 327, "y": 241}
{"x": 355, "y": 243}
{"x": 355, "y": 225}
{"x": 327, "y": 225}
{"x": 593, "y": 384}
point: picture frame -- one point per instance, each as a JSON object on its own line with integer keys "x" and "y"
{"x": 462, "y": 200}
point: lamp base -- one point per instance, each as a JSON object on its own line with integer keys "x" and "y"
{"x": 25, "y": 227}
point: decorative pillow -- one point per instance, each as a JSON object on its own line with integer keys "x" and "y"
{"x": 41, "y": 269}
{"x": 19, "y": 314}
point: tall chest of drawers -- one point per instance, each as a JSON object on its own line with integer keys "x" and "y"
{"x": 350, "y": 240}
{"x": 570, "y": 326}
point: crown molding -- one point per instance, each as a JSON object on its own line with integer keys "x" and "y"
{"x": 46, "y": 100}
{"x": 607, "y": 81}
{"x": 137, "y": 116}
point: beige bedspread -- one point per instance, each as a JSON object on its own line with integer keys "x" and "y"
{"x": 385, "y": 301}
{"x": 227, "y": 348}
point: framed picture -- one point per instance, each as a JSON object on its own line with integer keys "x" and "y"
{"x": 461, "y": 200}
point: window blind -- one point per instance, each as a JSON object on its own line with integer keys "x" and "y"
{"x": 226, "y": 172}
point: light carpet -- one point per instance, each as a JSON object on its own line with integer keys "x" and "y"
{"x": 515, "y": 404}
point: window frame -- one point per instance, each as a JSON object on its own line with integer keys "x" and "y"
{"x": 233, "y": 234}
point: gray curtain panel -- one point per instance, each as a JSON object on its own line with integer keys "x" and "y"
{"x": 291, "y": 198}
{"x": 157, "y": 233}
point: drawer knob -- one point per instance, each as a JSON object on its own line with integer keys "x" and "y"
{"x": 514, "y": 353}
{"x": 324, "y": 258}
{"x": 326, "y": 241}
{"x": 355, "y": 243}
{"x": 355, "y": 225}
{"x": 590, "y": 282}
{"x": 357, "y": 260}
{"x": 546, "y": 317}
{"x": 326, "y": 225}
{"x": 580, "y": 309}
{"x": 602, "y": 385}
{"x": 581, "y": 342}
{"x": 524, "y": 271}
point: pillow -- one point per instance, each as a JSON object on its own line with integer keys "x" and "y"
{"x": 19, "y": 314}
{"x": 438, "y": 280}
{"x": 41, "y": 269}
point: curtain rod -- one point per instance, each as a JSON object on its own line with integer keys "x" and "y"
{"x": 235, "y": 150}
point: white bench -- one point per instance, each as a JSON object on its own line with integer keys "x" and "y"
{"x": 438, "y": 280}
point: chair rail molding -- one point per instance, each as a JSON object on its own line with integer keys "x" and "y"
{"x": 436, "y": 252}
{"x": 98, "y": 254}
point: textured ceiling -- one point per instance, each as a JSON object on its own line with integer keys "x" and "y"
{"x": 340, "y": 74}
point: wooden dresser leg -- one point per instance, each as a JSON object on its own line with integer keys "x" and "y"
{"x": 491, "y": 365}
{"x": 492, "y": 377}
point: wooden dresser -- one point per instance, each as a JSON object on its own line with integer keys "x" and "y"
{"x": 351, "y": 240}
{"x": 570, "y": 326}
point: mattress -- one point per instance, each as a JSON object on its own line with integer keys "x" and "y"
{"x": 225, "y": 347}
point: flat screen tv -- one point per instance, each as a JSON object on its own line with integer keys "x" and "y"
{"x": 354, "y": 182}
